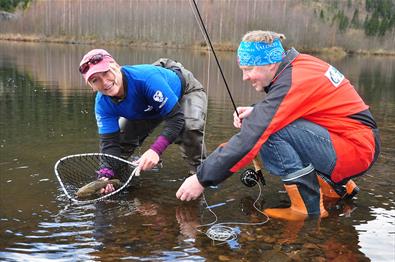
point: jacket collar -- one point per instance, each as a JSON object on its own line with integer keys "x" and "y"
{"x": 290, "y": 56}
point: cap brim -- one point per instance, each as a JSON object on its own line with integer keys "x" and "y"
{"x": 103, "y": 66}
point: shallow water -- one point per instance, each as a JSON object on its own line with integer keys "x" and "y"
{"x": 47, "y": 113}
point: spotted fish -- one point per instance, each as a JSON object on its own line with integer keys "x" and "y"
{"x": 93, "y": 188}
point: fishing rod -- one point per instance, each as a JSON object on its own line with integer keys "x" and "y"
{"x": 208, "y": 40}
{"x": 249, "y": 177}
{"x": 221, "y": 231}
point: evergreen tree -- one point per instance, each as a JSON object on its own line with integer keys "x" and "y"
{"x": 382, "y": 19}
{"x": 11, "y": 5}
{"x": 322, "y": 17}
{"x": 372, "y": 25}
{"x": 355, "y": 19}
{"x": 342, "y": 20}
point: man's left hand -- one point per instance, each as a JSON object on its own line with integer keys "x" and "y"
{"x": 148, "y": 160}
{"x": 190, "y": 189}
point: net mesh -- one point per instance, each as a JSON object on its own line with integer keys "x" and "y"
{"x": 78, "y": 170}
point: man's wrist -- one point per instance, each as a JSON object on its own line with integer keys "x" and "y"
{"x": 202, "y": 182}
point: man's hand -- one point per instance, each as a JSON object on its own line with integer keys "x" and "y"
{"x": 190, "y": 189}
{"x": 148, "y": 160}
{"x": 243, "y": 111}
{"x": 108, "y": 189}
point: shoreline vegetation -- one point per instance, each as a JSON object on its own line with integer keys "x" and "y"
{"x": 331, "y": 28}
{"x": 334, "y": 51}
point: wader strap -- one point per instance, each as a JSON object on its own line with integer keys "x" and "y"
{"x": 177, "y": 70}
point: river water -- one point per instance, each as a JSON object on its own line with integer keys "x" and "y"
{"x": 47, "y": 113}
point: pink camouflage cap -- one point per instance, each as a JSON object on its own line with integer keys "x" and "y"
{"x": 96, "y": 60}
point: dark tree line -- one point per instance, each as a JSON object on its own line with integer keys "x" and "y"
{"x": 11, "y": 5}
{"x": 382, "y": 18}
{"x": 375, "y": 18}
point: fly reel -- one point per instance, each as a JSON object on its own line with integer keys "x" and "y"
{"x": 250, "y": 177}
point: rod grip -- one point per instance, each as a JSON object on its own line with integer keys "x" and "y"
{"x": 257, "y": 164}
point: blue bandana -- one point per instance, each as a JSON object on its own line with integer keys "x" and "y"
{"x": 259, "y": 53}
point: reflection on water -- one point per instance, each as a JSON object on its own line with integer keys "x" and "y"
{"x": 373, "y": 236}
{"x": 47, "y": 113}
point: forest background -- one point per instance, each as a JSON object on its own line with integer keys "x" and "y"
{"x": 348, "y": 26}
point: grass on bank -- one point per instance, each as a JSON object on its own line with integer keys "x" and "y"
{"x": 335, "y": 51}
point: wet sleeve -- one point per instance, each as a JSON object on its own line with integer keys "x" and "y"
{"x": 109, "y": 144}
{"x": 173, "y": 123}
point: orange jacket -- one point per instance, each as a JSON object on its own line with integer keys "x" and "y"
{"x": 304, "y": 87}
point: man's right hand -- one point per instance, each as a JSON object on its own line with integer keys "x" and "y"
{"x": 190, "y": 189}
{"x": 243, "y": 111}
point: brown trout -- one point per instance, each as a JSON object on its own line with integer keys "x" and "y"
{"x": 94, "y": 187}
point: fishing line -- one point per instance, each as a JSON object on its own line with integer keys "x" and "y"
{"x": 221, "y": 232}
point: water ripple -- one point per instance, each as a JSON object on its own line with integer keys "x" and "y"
{"x": 66, "y": 224}
{"x": 378, "y": 234}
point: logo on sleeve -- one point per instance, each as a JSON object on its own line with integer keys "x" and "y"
{"x": 158, "y": 96}
{"x": 334, "y": 76}
{"x": 99, "y": 121}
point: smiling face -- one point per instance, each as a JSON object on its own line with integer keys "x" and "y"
{"x": 108, "y": 82}
{"x": 259, "y": 76}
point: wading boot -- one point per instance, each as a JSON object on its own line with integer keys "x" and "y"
{"x": 337, "y": 191}
{"x": 305, "y": 195}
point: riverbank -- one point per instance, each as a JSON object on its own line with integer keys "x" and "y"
{"x": 227, "y": 47}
